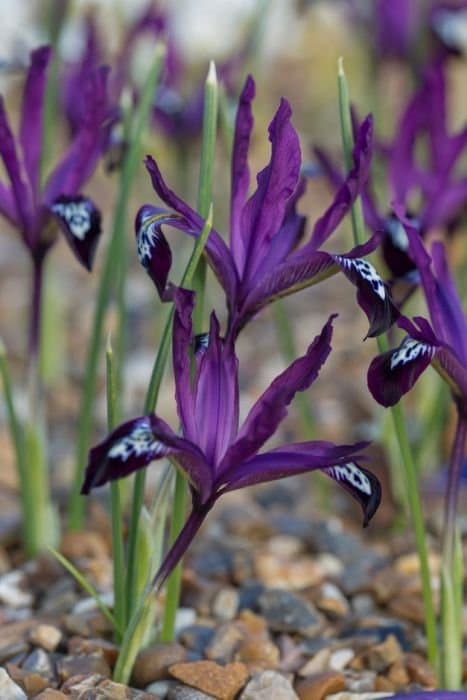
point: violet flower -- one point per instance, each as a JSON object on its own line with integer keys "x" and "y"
{"x": 215, "y": 454}
{"x": 264, "y": 260}
{"x": 430, "y": 695}
{"x": 38, "y": 211}
{"x": 433, "y": 196}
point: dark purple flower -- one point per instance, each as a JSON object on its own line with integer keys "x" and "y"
{"x": 443, "y": 343}
{"x": 264, "y": 259}
{"x": 433, "y": 194}
{"x": 39, "y": 211}
{"x": 216, "y": 454}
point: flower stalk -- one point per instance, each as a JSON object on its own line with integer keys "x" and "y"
{"x": 399, "y": 421}
{"x": 208, "y": 149}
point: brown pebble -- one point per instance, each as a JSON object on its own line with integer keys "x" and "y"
{"x": 257, "y": 650}
{"x": 223, "y": 682}
{"x": 69, "y": 666}
{"x": 318, "y": 686}
{"x": 224, "y": 643}
{"x": 293, "y": 575}
{"x": 51, "y": 694}
{"x": 153, "y": 663}
{"x": 420, "y": 671}
{"x": 408, "y": 607}
{"x": 82, "y": 646}
{"x": 397, "y": 675}
{"x": 383, "y": 683}
{"x": 31, "y": 682}
{"x": 79, "y": 545}
{"x": 47, "y": 637}
{"x": 382, "y": 655}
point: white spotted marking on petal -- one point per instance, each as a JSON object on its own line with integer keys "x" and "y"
{"x": 367, "y": 272}
{"x": 139, "y": 442}
{"x": 397, "y": 233}
{"x": 451, "y": 27}
{"x": 77, "y": 216}
{"x": 352, "y": 475}
{"x": 147, "y": 239}
{"x": 408, "y": 351}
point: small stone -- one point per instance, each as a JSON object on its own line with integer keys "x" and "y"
{"x": 362, "y": 683}
{"x": 331, "y": 601}
{"x": 225, "y": 642}
{"x": 78, "y": 646}
{"x": 39, "y": 661}
{"x": 409, "y": 607}
{"x": 51, "y": 694}
{"x": 409, "y": 564}
{"x": 32, "y": 683}
{"x": 225, "y": 604}
{"x": 185, "y": 617}
{"x": 319, "y": 686}
{"x": 420, "y": 671}
{"x": 345, "y": 695}
{"x": 84, "y": 545}
{"x": 267, "y": 685}
{"x": 161, "y": 688}
{"x": 383, "y": 683}
{"x": 196, "y": 637}
{"x": 286, "y": 612}
{"x": 9, "y": 690}
{"x": 152, "y": 664}
{"x": 182, "y": 692}
{"x": 288, "y": 574}
{"x": 285, "y": 546}
{"x": 69, "y": 666}
{"x": 80, "y": 683}
{"x": 382, "y": 655}
{"x": 340, "y": 659}
{"x": 11, "y": 592}
{"x": 397, "y": 675}
{"x": 257, "y": 650}
{"x": 223, "y": 682}
{"x": 109, "y": 690}
{"x": 363, "y": 604}
{"x": 47, "y": 637}
{"x": 317, "y": 664}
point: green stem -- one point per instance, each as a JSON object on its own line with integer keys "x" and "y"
{"x": 118, "y": 554}
{"x": 113, "y": 254}
{"x": 173, "y": 590}
{"x": 399, "y": 420}
{"x": 205, "y": 184}
{"x": 149, "y": 407}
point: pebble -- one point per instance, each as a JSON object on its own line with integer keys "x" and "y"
{"x": 331, "y": 601}
{"x": 69, "y": 666}
{"x": 78, "y": 646}
{"x": 397, "y": 675}
{"x": 182, "y": 692}
{"x": 185, "y": 617}
{"x": 340, "y": 659}
{"x": 161, "y": 688}
{"x": 286, "y": 612}
{"x": 380, "y": 656}
{"x": 52, "y": 694}
{"x": 83, "y": 545}
{"x": 267, "y": 685}
{"x": 288, "y": 574}
{"x": 47, "y": 637}
{"x": 9, "y": 690}
{"x": 319, "y": 686}
{"x": 357, "y": 696}
{"x": 317, "y": 664}
{"x": 223, "y": 682}
{"x": 225, "y": 604}
{"x": 32, "y": 683}
{"x": 256, "y": 650}
{"x": 152, "y": 664}
{"x": 38, "y": 661}
{"x": 408, "y": 607}
{"x": 196, "y": 637}
{"x": 224, "y": 644}
{"x": 420, "y": 671}
{"x": 11, "y": 592}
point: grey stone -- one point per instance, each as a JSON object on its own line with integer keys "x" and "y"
{"x": 8, "y": 688}
{"x": 183, "y": 692}
{"x": 268, "y": 685}
{"x": 286, "y": 612}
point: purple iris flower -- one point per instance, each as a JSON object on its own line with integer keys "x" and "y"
{"x": 442, "y": 343}
{"x": 264, "y": 259}
{"x": 435, "y": 194}
{"x": 430, "y": 695}
{"x": 216, "y": 454}
{"x": 39, "y": 210}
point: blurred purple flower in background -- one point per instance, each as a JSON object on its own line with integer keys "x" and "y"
{"x": 215, "y": 454}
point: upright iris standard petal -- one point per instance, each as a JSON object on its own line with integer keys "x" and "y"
{"x": 80, "y": 221}
{"x": 393, "y": 374}
{"x": 19, "y": 190}
{"x": 153, "y": 249}
{"x": 136, "y": 444}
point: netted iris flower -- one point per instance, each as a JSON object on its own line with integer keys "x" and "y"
{"x": 264, "y": 259}
{"x": 434, "y": 192}
{"x": 441, "y": 342}
{"x": 39, "y": 210}
{"x": 216, "y": 454}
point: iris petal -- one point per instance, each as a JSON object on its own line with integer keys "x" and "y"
{"x": 80, "y": 221}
